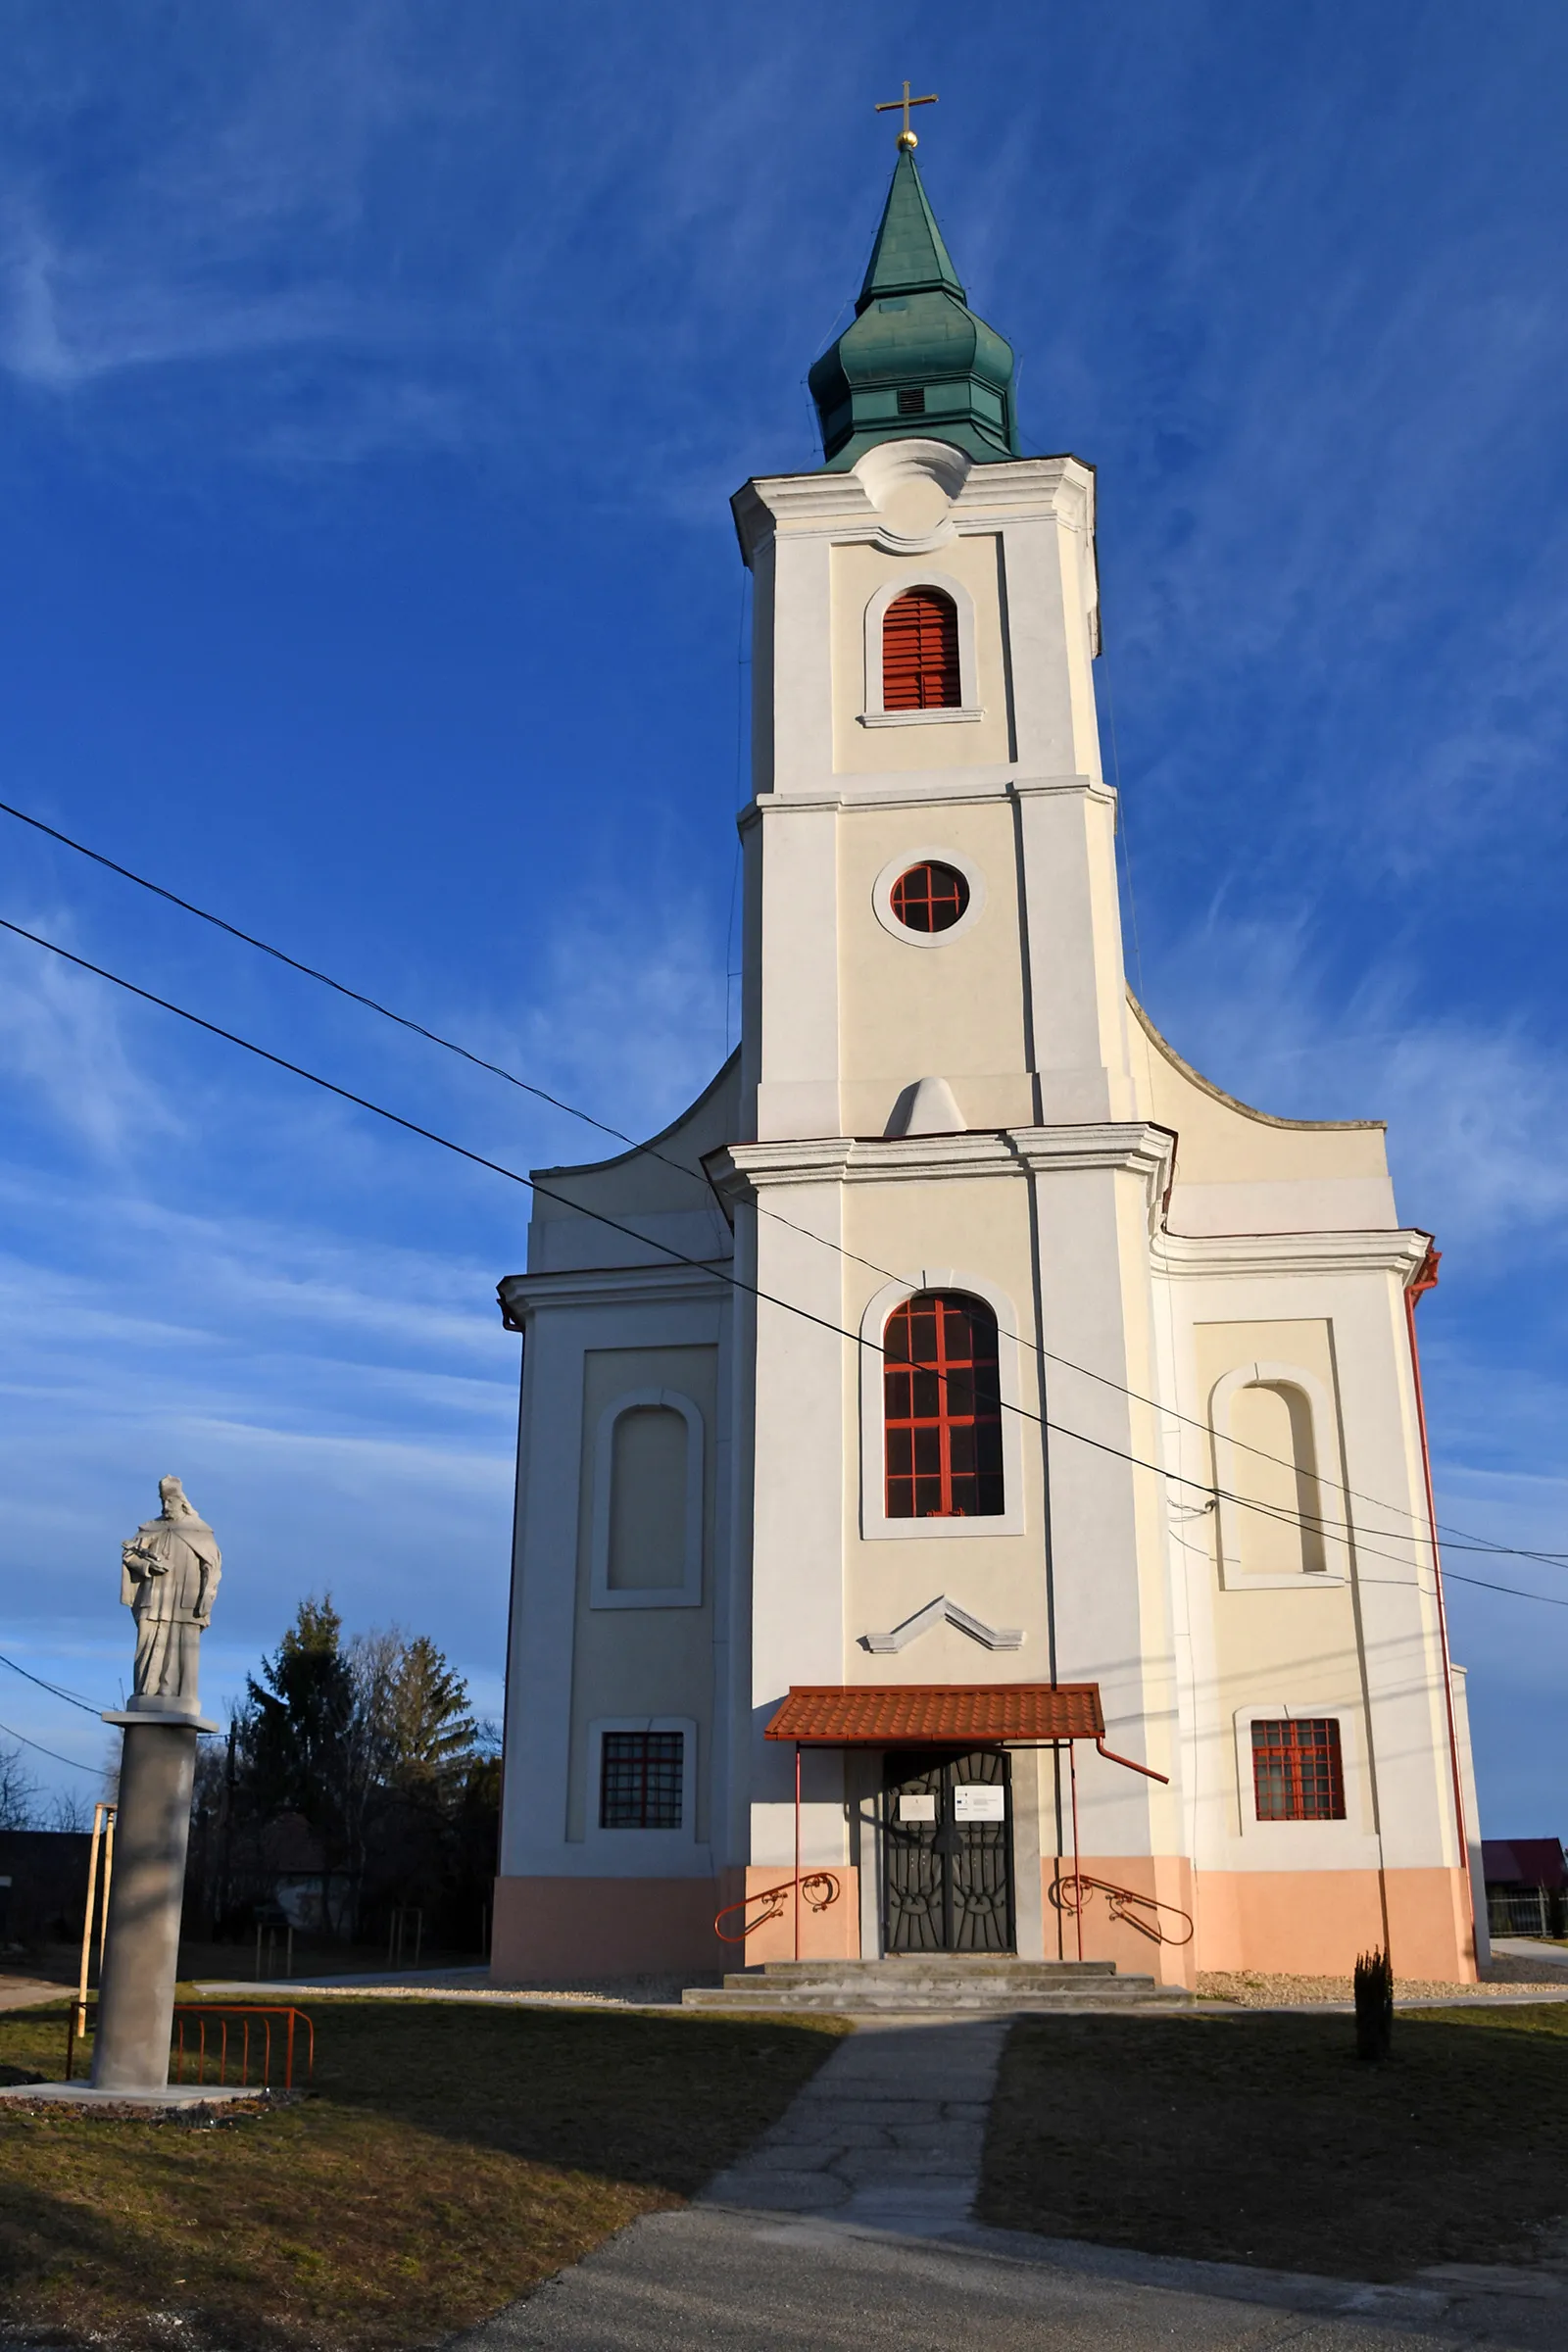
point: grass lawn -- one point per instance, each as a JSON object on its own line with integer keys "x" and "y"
{"x": 451, "y": 2156}
{"x": 1263, "y": 2138}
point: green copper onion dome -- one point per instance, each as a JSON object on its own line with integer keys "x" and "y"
{"x": 916, "y": 360}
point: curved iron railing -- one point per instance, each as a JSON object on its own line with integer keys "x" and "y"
{"x": 1070, "y": 1893}
{"x": 819, "y": 1887}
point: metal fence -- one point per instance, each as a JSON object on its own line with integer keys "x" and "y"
{"x": 244, "y": 2047}
{"x": 1525, "y": 1911}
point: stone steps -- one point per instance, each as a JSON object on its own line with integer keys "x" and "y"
{"x": 946, "y": 1985}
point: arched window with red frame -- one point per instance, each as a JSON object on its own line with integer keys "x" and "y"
{"x": 942, "y": 1409}
{"x": 920, "y": 653}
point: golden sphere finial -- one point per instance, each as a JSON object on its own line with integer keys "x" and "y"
{"x": 907, "y": 142}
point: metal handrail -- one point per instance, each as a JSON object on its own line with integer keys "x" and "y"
{"x": 220, "y": 2014}
{"x": 205, "y": 2010}
{"x": 1119, "y": 1899}
{"x": 819, "y": 1886}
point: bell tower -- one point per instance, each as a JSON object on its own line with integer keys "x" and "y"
{"x": 936, "y": 1091}
{"x": 926, "y": 622}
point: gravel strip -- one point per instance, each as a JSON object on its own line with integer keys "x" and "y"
{"x": 1250, "y": 1991}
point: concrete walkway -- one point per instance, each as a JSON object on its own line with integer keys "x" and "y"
{"x": 889, "y": 2132}
{"x": 755, "y": 2283}
{"x": 30, "y": 1993}
{"x": 1527, "y": 1947}
{"x": 847, "y": 2226}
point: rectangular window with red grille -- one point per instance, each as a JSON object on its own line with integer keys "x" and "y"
{"x": 1297, "y": 1772}
{"x": 640, "y": 1778}
{"x": 942, "y": 1409}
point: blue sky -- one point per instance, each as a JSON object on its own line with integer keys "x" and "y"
{"x": 372, "y": 383}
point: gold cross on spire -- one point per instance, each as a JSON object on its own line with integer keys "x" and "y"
{"x": 887, "y": 106}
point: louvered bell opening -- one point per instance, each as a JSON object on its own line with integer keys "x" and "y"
{"x": 920, "y": 653}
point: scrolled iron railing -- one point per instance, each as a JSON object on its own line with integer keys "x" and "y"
{"x": 1071, "y": 1893}
{"x": 819, "y": 1889}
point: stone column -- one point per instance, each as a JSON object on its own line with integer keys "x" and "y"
{"x": 152, "y": 1828}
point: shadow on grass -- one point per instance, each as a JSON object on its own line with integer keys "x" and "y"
{"x": 453, "y": 2157}
{"x": 662, "y": 2099}
{"x": 1263, "y": 2138}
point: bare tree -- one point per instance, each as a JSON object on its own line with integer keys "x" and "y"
{"x": 19, "y": 1791}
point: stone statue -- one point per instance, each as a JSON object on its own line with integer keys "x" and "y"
{"x": 169, "y": 1574}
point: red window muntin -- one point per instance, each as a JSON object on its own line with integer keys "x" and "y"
{"x": 920, "y": 653}
{"x": 640, "y": 1777}
{"x": 930, "y": 897}
{"x": 1297, "y": 1771}
{"x": 942, "y": 1409}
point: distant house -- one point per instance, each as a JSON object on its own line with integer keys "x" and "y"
{"x": 43, "y": 1887}
{"x": 311, "y": 1898}
{"x": 1527, "y": 1885}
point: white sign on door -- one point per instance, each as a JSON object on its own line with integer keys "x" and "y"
{"x": 918, "y": 1807}
{"x": 979, "y": 1800}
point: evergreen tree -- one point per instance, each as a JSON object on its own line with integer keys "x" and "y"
{"x": 431, "y": 1734}
{"x": 298, "y": 1728}
{"x": 373, "y": 1741}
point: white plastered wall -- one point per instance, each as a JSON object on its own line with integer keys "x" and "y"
{"x": 1367, "y": 1649}
{"x": 592, "y": 1337}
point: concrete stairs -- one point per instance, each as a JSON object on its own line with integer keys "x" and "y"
{"x": 937, "y": 1984}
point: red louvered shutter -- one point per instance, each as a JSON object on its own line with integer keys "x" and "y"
{"x": 920, "y": 653}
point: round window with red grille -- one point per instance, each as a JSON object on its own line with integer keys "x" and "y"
{"x": 929, "y": 897}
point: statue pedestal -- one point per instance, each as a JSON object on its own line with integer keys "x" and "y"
{"x": 152, "y": 1830}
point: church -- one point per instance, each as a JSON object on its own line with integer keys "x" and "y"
{"x": 972, "y": 1486}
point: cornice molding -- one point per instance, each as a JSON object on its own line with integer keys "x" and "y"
{"x": 739, "y": 1170}
{"x": 520, "y": 1294}
{"x": 966, "y": 785}
{"x": 1135, "y": 1145}
{"x": 1011, "y": 490}
{"x": 1044, "y": 788}
{"x": 1197, "y": 1257}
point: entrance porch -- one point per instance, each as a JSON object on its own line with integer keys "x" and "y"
{"x": 952, "y": 1850}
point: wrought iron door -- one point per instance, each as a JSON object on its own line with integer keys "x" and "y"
{"x": 948, "y": 1853}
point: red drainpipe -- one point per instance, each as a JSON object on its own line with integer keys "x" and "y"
{"x": 1426, "y": 1279}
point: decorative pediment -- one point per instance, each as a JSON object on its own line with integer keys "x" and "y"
{"x": 943, "y": 1611}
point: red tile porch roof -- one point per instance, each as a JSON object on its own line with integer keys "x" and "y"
{"x": 912, "y": 1714}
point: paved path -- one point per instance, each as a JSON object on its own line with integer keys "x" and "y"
{"x": 765, "y": 2282}
{"x": 847, "y": 2226}
{"x": 1526, "y": 1947}
{"x": 888, "y": 2133}
{"x": 28, "y": 1992}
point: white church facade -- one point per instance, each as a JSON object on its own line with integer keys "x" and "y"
{"x": 972, "y": 1490}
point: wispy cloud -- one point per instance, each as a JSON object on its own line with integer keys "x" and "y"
{"x": 63, "y": 1039}
{"x": 1476, "y": 1111}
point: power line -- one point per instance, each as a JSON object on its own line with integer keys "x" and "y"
{"x": 54, "y": 1689}
{"x": 310, "y": 973}
{"x": 1460, "y": 1540}
{"x": 52, "y": 1754}
{"x": 1554, "y": 1600}
{"x": 1450, "y": 1575}
{"x": 711, "y": 1267}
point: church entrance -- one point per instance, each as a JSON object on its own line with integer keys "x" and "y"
{"x": 947, "y": 1830}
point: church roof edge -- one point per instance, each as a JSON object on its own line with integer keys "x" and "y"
{"x": 1248, "y": 1110}
{"x": 619, "y": 1160}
